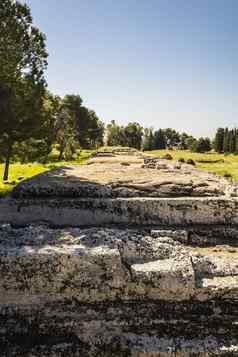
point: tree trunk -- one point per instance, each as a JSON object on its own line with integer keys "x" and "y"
{"x": 7, "y": 162}
{"x": 61, "y": 153}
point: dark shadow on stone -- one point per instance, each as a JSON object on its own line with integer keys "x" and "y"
{"x": 59, "y": 183}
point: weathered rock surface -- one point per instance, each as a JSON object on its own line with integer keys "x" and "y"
{"x": 108, "y": 178}
{"x": 110, "y": 192}
{"x": 134, "y": 258}
{"x": 117, "y": 292}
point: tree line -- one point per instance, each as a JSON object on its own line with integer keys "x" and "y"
{"x": 148, "y": 139}
{"x": 33, "y": 120}
{"x": 226, "y": 140}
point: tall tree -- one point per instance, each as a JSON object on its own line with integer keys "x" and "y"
{"x": 190, "y": 142}
{"x": 95, "y": 130}
{"x": 88, "y": 128}
{"x": 133, "y": 134}
{"x": 65, "y": 134}
{"x": 232, "y": 141}
{"x": 159, "y": 140}
{"x": 148, "y": 139}
{"x": 226, "y": 141}
{"x": 172, "y": 137}
{"x": 236, "y": 141}
{"x": 22, "y": 63}
{"x": 115, "y": 134}
{"x": 219, "y": 140}
{"x": 51, "y": 109}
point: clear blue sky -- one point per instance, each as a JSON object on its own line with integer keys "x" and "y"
{"x": 163, "y": 63}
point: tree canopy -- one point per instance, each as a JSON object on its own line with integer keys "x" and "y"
{"x": 23, "y": 59}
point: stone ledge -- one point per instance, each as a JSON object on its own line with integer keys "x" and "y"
{"x": 131, "y": 211}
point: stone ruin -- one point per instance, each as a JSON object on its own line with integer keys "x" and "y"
{"x": 120, "y": 257}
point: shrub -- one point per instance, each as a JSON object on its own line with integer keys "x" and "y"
{"x": 167, "y": 157}
{"x": 191, "y": 162}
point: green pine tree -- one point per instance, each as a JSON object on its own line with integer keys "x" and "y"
{"x": 226, "y": 141}
{"x": 219, "y": 140}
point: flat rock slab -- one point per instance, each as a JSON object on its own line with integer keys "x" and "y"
{"x": 122, "y": 190}
{"x": 123, "y": 177}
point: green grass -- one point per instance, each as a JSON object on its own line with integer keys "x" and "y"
{"x": 229, "y": 166}
{"x": 19, "y": 172}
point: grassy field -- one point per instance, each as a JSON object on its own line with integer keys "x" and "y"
{"x": 19, "y": 172}
{"x": 227, "y": 166}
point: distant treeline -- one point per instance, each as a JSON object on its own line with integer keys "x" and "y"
{"x": 148, "y": 139}
{"x": 226, "y": 140}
